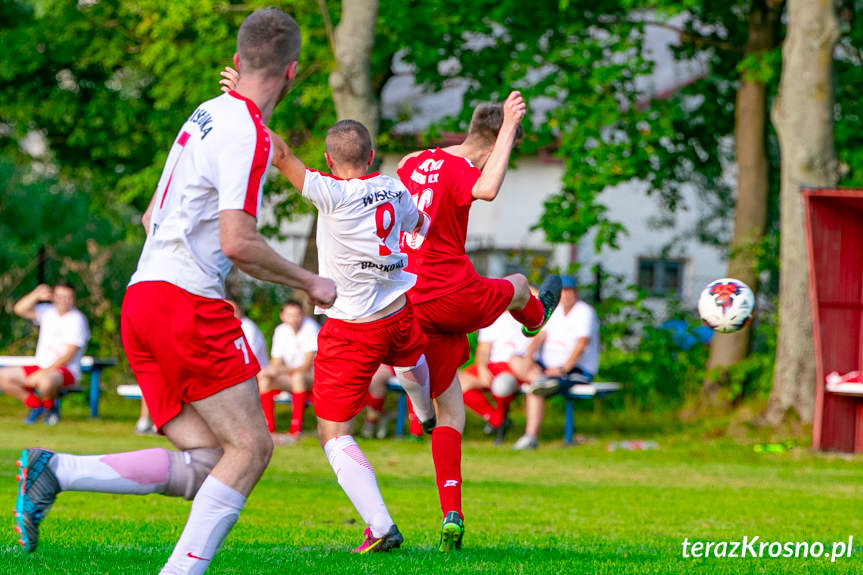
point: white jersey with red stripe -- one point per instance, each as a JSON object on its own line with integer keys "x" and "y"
{"x": 218, "y": 162}
{"x": 360, "y": 221}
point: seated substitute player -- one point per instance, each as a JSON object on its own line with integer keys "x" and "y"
{"x": 570, "y": 355}
{"x": 497, "y": 345}
{"x": 63, "y": 337}
{"x": 451, "y": 299}
{"x": 184, "y": 344}
{"x": 360, "y": 219}
{"x": 295, "y": 342}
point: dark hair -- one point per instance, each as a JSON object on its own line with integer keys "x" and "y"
{"x": 268, "y": 41}
{"x": 65, "y": 284}
{"x": 292, "y": 302}
{"x": 349, "y": 142}
{"x": 485, "y": 124}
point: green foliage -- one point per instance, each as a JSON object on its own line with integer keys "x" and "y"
{"x": 655, "y": 368}
{"x": 848, "y": 66}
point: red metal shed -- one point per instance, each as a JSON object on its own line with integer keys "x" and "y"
{"x": 834, "y": 234}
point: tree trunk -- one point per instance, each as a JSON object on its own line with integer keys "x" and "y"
{"x": 351, "y": 85}
{"x": 351, "y": 81}
{"x": 803, "y": 118}
{"x": 750, "y": 214}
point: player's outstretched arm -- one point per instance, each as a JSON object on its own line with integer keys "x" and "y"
{"x": 244, "y": 246}
{"x": 488, "y": 184}
{"x": 288, "y": 164}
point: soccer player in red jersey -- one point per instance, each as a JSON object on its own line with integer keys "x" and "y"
{"x": 450, "y": 298}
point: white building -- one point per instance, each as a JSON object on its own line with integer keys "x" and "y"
{"x": 499, "y": 233}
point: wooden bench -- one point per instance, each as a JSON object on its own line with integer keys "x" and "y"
{"x": 583, "y": 391}
{"x": 89, "y": 364}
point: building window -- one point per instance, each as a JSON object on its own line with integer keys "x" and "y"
{"x": 660, "y": 277}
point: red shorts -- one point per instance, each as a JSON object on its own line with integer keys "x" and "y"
{"x": 68, "y": 378}
{"x": 448, "y": 319}
{"x": 495, "y": 368}
{"x": 350, "y": 353}
{"x": 182, "y": 347}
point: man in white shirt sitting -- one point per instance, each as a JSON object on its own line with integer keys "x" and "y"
{"x": 295, "y": 342}
{"x": 63, "y": 337}
{"x": 570, "y": 355}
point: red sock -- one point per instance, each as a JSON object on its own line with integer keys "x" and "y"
{"x": 376, "y": 405}
{"x": 446, "y": 453}
{"x": 531, "y": 315}
{"x": 268, "y": 404}
{"x": 414, "y": 427}
{"x": 477, "y": 401}
{"x": 32, "y": 401}
{"x": 502, "y": 408}
{"x": 298, "y": 409}
{"x": 48, "y": 403}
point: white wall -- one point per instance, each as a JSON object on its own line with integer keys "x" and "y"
{"x": 505, "y": 224}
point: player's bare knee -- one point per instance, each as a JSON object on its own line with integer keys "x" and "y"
{"x": 189, "y": 469}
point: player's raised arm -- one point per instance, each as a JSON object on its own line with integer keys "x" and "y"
{"x": 488, "y": 184}
{"x": 288, "y": 164}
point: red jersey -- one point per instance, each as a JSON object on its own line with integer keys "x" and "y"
{"x": 441, "y": 185}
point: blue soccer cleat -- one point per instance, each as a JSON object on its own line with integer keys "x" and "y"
{"x": 37, "y": 489}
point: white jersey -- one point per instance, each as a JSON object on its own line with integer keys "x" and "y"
{"x": 57, "y": 332}
{"x": 505, "y": 337}
{"x": 256, "y": 341}
{"x": 292, "y": 347}
{"x": 359, "y": 224}
{"x": 218, "y": 162}
{"x": 563, "y": 330}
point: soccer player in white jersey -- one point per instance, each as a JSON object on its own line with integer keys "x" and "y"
{"x": 183, "y": 342}
{"x": 63, "y": 336}
{"x": 295, "y": 342}
{"x": 360, "y": 219}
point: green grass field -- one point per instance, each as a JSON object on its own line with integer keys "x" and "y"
{"x": 557, "y": 510}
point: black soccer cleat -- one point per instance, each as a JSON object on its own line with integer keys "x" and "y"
{"x": 429, "y": 424}
{"x": 549, "y": 296}
{"x": 391, "y": 540}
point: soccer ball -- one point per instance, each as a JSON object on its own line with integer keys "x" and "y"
{"x": 726, "y": 305}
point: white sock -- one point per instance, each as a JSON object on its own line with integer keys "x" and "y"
{"x": 215, "y": 509}
{"x": 136, "y": 472}
{"x": 415, "y": 381}
{"x": 357, "y": 478}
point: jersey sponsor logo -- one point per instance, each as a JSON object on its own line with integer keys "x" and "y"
{"x": 384, "y": 267}
{"x": 202, "y": 119}
{"x": 381, "y": 196}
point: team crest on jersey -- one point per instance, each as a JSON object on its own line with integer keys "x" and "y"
{"x": 723, "y": 294}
